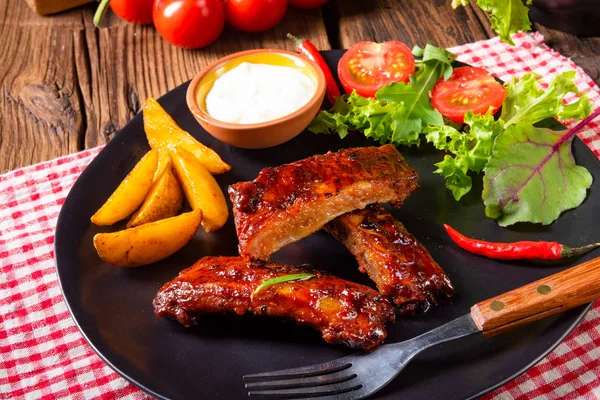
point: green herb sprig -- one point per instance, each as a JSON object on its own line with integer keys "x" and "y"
{"x": 282, "y": 279}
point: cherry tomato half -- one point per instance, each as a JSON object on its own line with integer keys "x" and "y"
{"x": 134, "y": 11}
{"x": 189, "y": 23}
{"x": 367, "y": 66}
{"x": 468, "y": 89}
{"x": 255, "y": 15}
{"x": 307, "y": 3}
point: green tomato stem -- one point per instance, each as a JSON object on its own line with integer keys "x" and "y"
{"x": 295, "y": 39}
{"x": 100, "y": 11}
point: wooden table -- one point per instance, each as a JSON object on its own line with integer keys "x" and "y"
{"x": 67, "y": 86}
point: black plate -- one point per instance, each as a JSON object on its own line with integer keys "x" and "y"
{"x": 113, "y": 306}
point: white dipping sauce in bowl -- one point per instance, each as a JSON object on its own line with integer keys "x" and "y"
{"x": 254, "y": 93}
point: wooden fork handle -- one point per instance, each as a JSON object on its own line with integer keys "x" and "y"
{"x": 556, "y": 293}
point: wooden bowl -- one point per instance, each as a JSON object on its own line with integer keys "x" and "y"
{"x": 264, "y": 134}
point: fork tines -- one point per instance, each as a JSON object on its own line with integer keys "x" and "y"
{"x": 322, "y": 380}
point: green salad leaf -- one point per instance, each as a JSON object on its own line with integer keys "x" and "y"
{"x": 507, "y": 16}
{"x": 527, "y": 100}
{"x": 532, "y": 176}
{"x": 471, "y": 149}
{"x": 356, "y": 113}
{"x": 401, "y": 110}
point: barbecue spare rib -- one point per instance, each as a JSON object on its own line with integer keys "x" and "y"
{"x": 343, "y": 311}
{"x": 398, "y": 264}
{"x": 287, "y": 203}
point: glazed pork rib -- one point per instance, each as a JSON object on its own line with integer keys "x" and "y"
{"x": 398, "y": 264}
{"x": 343, "y": 311}
{"x": 289, "y": 202}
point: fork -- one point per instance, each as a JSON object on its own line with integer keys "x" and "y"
{"x": 360, "y": 375}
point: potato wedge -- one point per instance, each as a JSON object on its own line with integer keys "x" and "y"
{"x": 130, "y": 193}
{"x": 148, "y": 243}
{"x": 201, "y": 189}
{"x": 163, "y": 200}
{"x": 164, "y": 161}
{"x": 163, "y": 132}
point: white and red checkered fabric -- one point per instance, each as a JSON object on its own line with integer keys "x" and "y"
{"x": 43, "y": 355}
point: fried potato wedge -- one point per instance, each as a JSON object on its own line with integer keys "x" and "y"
{"x": 163, "y": 200}
{"x": 163, "y": 132}
{"x": 201, "y": 189}
{"x": 130, "y": 193}
{"x": 148, "y": 243}
{"x": 164, "y": 161}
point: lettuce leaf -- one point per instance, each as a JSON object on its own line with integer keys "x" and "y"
{"x": 526, "y": 100}
{"x": 471, "y": 149}
{"x": 356, "y": 113}
{"x": 401, "y": 110}
{"x": 507, "y": 16}
{"x": 532, "y": 176}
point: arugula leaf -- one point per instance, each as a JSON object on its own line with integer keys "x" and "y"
{"x": 532, "y": 176}
{"x": 526, "y": 100}
{"x": 507, "y": 16}
{"x": 401, "y": 110}
{"x": 471, "y": 149}
{"x": 431, "y": 53}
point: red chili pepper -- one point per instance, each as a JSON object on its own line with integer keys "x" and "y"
{"x": 525, "y": 250}
{"x": 308, "y": 50}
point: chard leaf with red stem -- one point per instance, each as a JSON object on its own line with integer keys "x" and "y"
{"x": 532, "y": 175}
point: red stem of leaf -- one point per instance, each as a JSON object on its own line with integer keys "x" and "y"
{"x": 555, "y": 148}
{"x": 577, "y": 128}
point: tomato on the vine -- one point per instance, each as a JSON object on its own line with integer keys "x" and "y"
{"x": 368, "y": 66}
{"x": 468, "y": 89}
{"x": 307, "y": 3}
{"x": 134, "y": 11}
{"x": 255, "y": 15}
{"x": 189, "y": 23}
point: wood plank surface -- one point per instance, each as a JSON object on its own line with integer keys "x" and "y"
{"x": 414, "y": 22}
{"x": 67, "y": 86}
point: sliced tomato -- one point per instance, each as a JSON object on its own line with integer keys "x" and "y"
{"x": 468, "y": 89}
{"x": 368, "y": 66}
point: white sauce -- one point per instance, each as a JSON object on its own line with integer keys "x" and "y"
{"x": 254, "y": 93}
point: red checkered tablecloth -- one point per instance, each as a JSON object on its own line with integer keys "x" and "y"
{"x": 43, "y": 355}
